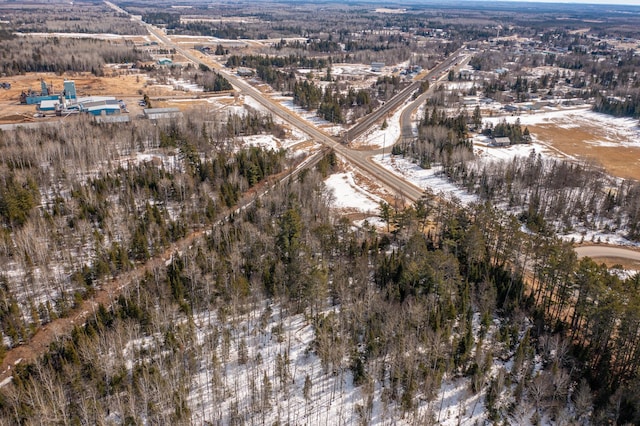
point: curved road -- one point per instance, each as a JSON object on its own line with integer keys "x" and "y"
{"x": 608, "y": 251}
{"x": 393, "y": 103}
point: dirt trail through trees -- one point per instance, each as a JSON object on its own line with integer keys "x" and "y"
{"x": 40, "y": 341}
{"x": 110, "y": 290}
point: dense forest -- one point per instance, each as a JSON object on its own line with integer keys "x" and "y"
{"x": 203, "y": 76}
{"x": 442, "y": 139}
{"x": 85, "y": 17}
{"x": 330, "y": 103}
{"x": 105, "y": 208}
{"x": 318, "y": 320}
{"x": 552, "y": 196}
{"x": 61, "y": 55}
{"x": 215, "y": 334}
{"x": 239, "y": 297}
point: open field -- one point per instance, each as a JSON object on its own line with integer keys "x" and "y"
{"x": 620, "y": 161}
{"x": 86, "y": 84}
{"x": 129, "y": 87}
{"x": 613, "y": 143}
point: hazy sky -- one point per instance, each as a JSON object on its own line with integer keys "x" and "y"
{"x": 627, "y": 2}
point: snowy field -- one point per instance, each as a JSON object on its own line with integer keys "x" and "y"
{"x": 185, "y": 86}
{"x": 429, "y": 179}
{"x": 262, "y": 365}
{"x": 376, "y": 137}
{"x": 265, "y": 370}
{"x": 484, "y": 152}
{"x": 607, "y": 131}
{"x": 349, "y": 195}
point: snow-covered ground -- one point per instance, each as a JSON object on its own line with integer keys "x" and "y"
{"x": 262, "y": 367}
{"x": 259, "y": 367}
{"x": 608, "y": 131}
{"x": 430, "y": 179}
{"x": 347, "y": 194}
{"x": 376, "y": 137}
{"x": 296, "y": 136}
{"x": 625, "y": 131}
{"x": 294, "y": 139}
{"x": 459, "y": 85}
{"x": 185, "y": 86}
{"x": 484, "y": 152}
{"x": 310, "y": 116}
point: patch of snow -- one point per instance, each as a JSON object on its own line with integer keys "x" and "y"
{"x": 275, "y": 348}
{"x": 371, "y": 221}
{"x": 309, "y": 116}
{"x": 348, "y": 195}
{"x": 185, "y": 86}
{"x": 484, "y": 152}
{"x": 296, "y": 135}
{"x": 611, "y": 131}
{"x": 431, "y": 179}
{"x": 459, "y": 85}
{"x": 377, "y": 137}
{"x": 263, "y": 141}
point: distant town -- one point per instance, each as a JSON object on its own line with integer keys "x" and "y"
{"x": 328, "y": 213}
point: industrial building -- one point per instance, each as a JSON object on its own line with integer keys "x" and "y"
{"x": 69, "y": 89}
{"x": 48, "y": 105}
{"x": 30, "y": 97}
{"x": 377, "y": 66}
{"x": 68, "y": 102}
{"x": 96, "y": 106}
{"x": 158, "y": 113}
{"x": 110, "y": 119}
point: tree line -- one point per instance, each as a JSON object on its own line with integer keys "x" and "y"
{"x": 55, "y": 191}
{"x": 29, "y": 54}
{"x": 554, "y": 195}
{"x": 441, "y": 139}
{"x": 84, "y": 18}
{"x": 292, "y": 60}
{"x": 442, "y": 294}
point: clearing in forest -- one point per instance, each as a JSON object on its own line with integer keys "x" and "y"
{"x": 613, "y": 143}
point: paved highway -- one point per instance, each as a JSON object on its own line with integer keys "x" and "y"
{"x": 406, "y": 124}
{"x": 357, "y": 158}
{"x": 437, "y": 73}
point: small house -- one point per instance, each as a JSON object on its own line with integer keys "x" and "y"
{"x": 377, "y": 66}
{"x": 501, "y": 141}
{"x": 245, "y": 72}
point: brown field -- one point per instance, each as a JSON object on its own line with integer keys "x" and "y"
{"x": 581, "y": 142}
{"x": 121, "y": 85}
{"x": 86, "y": 84}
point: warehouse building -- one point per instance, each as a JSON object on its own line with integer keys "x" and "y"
{"x": 160, "y": 113}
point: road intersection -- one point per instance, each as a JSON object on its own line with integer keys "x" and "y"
{"x": 361, "y": 159}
